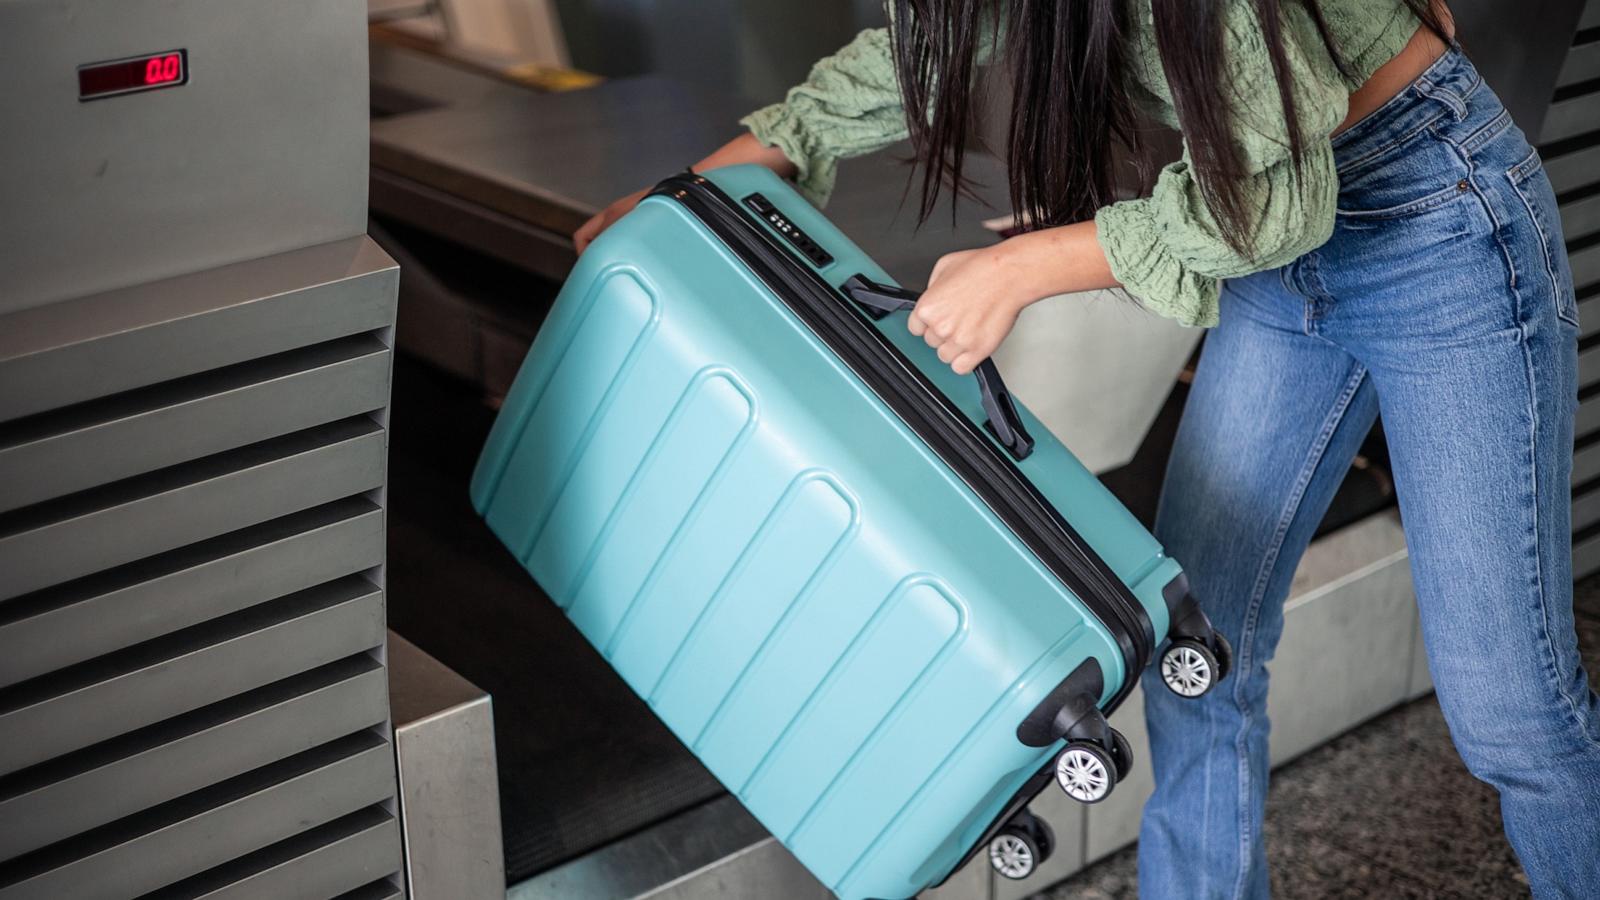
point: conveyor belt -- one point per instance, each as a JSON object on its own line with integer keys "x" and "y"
{"x": 582, "y": 760}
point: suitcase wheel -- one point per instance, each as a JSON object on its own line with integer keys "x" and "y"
{"x": 1189, "y": 668}
{"x": 1087, "y": 771}
{"x": 1018, "y": 849}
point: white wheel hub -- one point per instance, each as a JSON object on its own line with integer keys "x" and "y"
{"x": 1186, "y": 671}
{"x": 1011, "y": 856}
{"x": 1083, "y": 775}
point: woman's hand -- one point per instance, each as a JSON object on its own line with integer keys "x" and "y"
{"x": 974, "y": 296}
{"x": 602, "y": 220}
{"x": 972, "y": 301}
{"x": 742, "y": 149}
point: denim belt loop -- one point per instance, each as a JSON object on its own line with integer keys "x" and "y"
{"x": 1445, "y": 95}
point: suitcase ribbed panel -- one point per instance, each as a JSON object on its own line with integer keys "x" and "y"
{"x": 191, "y": 613}
{"x": 344, "y": 855}
{"x": 746, "y": 537}
{"x": 1570, "y": 144}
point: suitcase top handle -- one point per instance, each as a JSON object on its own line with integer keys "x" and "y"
{"x": 879, "y": 300}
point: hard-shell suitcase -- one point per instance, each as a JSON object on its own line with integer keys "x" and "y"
{"x": 884, "y": 606}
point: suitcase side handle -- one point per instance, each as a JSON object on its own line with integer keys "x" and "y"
{"x": 879, "y": 300}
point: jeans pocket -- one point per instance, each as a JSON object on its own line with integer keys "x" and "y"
{"x": 1532, "y": 187}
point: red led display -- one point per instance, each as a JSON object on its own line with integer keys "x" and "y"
{"x": 139, "y": 73}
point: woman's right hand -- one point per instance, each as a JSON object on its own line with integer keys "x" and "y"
{"x": 602, "y": 220}
{"x": 742, "y": 149}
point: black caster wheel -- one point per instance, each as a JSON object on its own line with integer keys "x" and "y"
{"x": 1086, "y": 771}
{"x": 1224, "y": 652}
{"x": 1189, "y": 668}
{"x": 1121, "y": 754}
{"x": 1016, "y": 851}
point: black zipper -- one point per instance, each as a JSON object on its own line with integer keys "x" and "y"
{"x": 981, "y": 464}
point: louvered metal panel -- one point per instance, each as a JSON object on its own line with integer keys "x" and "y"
{"x": 180, "y": 755}
{"x": 175, "y": 840}
{"x": 1571, "y": 147}
{"x": 346, "y": 854}
{"x": 195, "y": 358}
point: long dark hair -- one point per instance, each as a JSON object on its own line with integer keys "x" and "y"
{"x": 1071, "y": 105}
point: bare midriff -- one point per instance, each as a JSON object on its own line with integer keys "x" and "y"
{"x": 1395, "y": 75}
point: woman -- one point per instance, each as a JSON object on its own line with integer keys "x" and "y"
{"x": 1363, "y": 228}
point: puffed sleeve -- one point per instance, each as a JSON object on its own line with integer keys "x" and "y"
{"x": 848, "y": 106}
{"x": 1167, "y": 248}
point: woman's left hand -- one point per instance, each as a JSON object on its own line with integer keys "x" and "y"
{"x": 971, "y": 304}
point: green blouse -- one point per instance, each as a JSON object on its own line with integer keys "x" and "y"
{"x": 1166, "y": 248}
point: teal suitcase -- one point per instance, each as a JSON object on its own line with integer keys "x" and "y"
{"x": 879, "y": 601}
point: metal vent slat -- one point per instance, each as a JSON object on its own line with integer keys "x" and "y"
{"x": 1583, "y": 64}
{"x": 116, "y": 778}
{"x": 381, "y": 890}
{"x": 1585, "y": 266}
{"x": 52, "y": 454}
{"x": 151, "y": 597}
{"x": 1580, "y": 216}
{"x": 200, "y": 831}
{"x": 1571, "y": 116}
{"x": 114, "y": 694}
{"x": 326, "y": 861}
{"x": 1575, "y": 168}
{"x": 1586, "y": 509}
{"x": 65, "y": 353}
{"x": 109, "y": 526}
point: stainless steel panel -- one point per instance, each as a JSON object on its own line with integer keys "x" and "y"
{"x": 163, "y": 845}
{"x": 114, "y": 694}
{"x": 1586, "y": 556}
{"x": 1586, "y": 265}
{"x": 95, "y": 530}
{"x": 379, "y": 890}
{"x": 343, "y": 855}
{"x": 1589, "y": 315}
{"x": 1591, "y": 15}
{"x": 1574, "y": 169}
{"x": 117, "y": 778}
{"x": 1580, "y": 218}
{"x": 1588, "y": 367}
{"x": 1571, "y": 117}
{"x": 1586, "y": 464}
{"x": 1588, "y": 418}
{"x": 691, "y": 845}
{"x": 263, "y": 150}
{"x": 155, "y": 596}
{"x": 1585, "y": 509}
{"x": 1583, "y": 64}
{"x": 56, "y": 453}
{"x": 449, "y": 788}
{"x": 66, "y": 353}
{"x": 764, "y": 870}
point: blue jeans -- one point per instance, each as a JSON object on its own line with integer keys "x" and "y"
{"x": 1443, "y": 301}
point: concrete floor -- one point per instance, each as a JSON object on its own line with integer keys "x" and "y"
{"x": 1438, "y": 836}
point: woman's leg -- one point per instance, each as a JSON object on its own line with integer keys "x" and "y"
{"x": 1464, "y": 314}
{"x": 1272, "y": 422}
